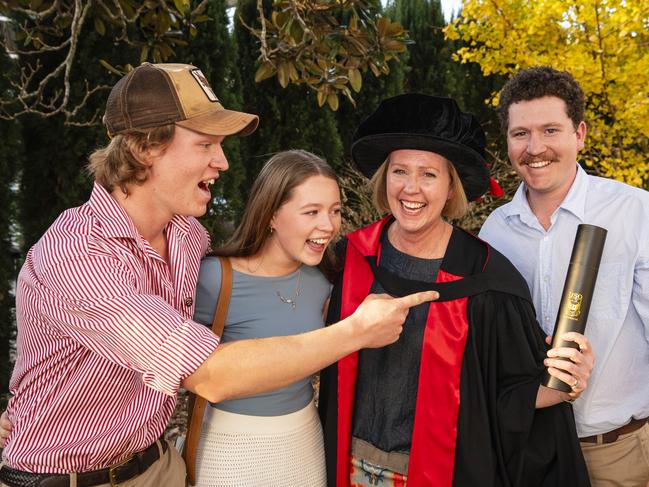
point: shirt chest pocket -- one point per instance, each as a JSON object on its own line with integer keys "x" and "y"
{"x": 612, "y": 292}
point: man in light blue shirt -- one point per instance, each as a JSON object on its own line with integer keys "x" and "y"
{"x": 542, "y": 114}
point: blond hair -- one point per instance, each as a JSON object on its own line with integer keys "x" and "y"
{"x": 120, "y": 164}
{"x": 456, "y": 206}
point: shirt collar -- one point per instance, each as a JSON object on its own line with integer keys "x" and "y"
{"x": 574, "y": 202}
{"x": 180, "y": 224}
{"x": 115, "y": 221}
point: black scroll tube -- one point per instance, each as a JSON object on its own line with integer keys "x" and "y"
{"x": 577, "y": 291}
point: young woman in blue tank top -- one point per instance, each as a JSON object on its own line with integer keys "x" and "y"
{"x": 278, "y": 253}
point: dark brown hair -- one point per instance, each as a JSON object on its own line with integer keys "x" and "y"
{"x": 532, "y": 83}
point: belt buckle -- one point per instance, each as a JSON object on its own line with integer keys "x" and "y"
{"x": 112, "y": 476}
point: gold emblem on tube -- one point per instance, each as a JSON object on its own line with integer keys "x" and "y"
{"x": 573, "y": 310}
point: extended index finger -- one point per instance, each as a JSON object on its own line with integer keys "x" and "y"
{"x": 417, "y": 298}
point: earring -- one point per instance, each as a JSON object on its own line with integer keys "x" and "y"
{"x": 270, "y": 230}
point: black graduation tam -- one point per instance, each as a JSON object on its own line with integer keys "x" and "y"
{"x": 429, "y": 123}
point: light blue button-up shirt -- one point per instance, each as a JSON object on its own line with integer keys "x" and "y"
{"x": 618, "y": 323}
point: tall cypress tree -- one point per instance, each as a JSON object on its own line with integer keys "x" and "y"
{"x": 10, "y": 155}
{"x": 52, "y": 177}
{"x": 428, "y": 57}
{"x": 431, "y": 68}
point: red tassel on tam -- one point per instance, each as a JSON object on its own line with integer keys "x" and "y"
{"x": 494, "y": 188}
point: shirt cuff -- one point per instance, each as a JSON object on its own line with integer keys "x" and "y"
{"x": 179, "y": 357}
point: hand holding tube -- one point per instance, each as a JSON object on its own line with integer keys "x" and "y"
{"x": 572, "y": 366}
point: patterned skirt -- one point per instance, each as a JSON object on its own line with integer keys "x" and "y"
{"x": 365, "y": 474}
{"x": 242, "y": 451}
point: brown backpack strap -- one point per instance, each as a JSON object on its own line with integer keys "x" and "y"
{"x": 196, "y": 404}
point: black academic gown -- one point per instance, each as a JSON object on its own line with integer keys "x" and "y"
{"x": 482, "y": 363}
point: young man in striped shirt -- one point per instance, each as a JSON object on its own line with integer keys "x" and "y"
{"x": 105, "y": 298}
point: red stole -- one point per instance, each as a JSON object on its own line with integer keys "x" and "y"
{"x": 432, "y": 453}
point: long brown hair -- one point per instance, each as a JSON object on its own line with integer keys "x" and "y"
{"x": 273, "y": 187}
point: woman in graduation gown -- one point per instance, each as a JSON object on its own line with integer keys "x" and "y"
{"x": 457, "y": 400}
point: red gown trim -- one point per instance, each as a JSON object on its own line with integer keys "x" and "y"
{"x": 432, "y": 454}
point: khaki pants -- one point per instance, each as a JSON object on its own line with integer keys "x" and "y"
{"x": 623, "y": 463}
{"x": 168, "y": 471}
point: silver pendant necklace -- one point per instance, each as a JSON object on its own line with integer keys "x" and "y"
{"x": 292, "y": 301}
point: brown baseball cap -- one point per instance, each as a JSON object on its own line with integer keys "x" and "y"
{"x": 152, "y": 95}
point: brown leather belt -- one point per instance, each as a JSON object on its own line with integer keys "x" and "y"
{"x": 611, "y": 436}
{"x": 125, "y": 470}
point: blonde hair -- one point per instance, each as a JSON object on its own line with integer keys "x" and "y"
{"x": 120, "y": 163}
{"x": 455, "y": 207}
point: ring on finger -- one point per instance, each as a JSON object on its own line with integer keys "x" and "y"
{"x": 574, "y": 384}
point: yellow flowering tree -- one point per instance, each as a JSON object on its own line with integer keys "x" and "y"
{"x": 603, "y": 43}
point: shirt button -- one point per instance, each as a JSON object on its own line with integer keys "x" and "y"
{"x": 189, "y": 302}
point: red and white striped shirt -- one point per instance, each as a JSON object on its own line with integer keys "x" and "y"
{"x": 104, "y": 338}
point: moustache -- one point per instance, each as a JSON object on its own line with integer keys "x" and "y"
{"x": 546, "y": 156}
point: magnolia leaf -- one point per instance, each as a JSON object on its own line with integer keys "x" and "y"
{"x": 164, "y": 22}
{"x": 283, "y": 74}
{"x": 178, "y": 41}
{"x": 355, "y": 79}
{"x": 182, "y": 5}
{"x": 313, "y": 67}
{"x": 100, "y": 27}
{"x": 144, "y": 53}
{"x": 322, "y": 97}
{"x": 353, "y": 22}
{"x": 282, "y": 18}
{"x": 127, "y": 7}
{"x": 292, "y": 72}
{"x": 394, "y": 29}
{"x": 332, "y": 101}
{"x": 296, "y": 32}
{"x": 165, "y": 51}
{"x": 394, "y": 45}
{"x": 110, "y": 68}
{"x": 264, "y": 71}
{"x": 382, "y": 26}
{"x": 322, "y": 63}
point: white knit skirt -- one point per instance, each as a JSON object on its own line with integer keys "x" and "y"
{"x": 242, "y": 451}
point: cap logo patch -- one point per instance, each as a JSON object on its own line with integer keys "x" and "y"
{"x": 204, "y": 84}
